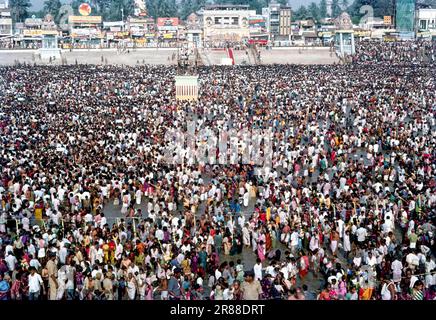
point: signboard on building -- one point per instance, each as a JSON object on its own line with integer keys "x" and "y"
{"x": 257, "y": 22}
{"x": 85, "y": 9}
{"x": 39, "y": 32}
{"x": 387, "y": 20}
{"x": 362, "y": 33}
{"x": 141, "y": 21}
{"x": 84, "y": 19}
{"x": 86, "y": 33}
{"x": 187, "y": 87}
{"x": 167, "y": 22}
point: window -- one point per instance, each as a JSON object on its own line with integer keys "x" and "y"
{"x": 235, "y": 21}
{"x": 217, "y": 20}
{"x": 423, "y": 24}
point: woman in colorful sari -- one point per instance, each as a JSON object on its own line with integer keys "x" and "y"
{"x": 304, "y": 265}
{"x": 261, "y": 250}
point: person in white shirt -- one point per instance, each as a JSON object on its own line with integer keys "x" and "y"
{"x": 11, "y": 261}
{"x": 35, "y": 284}
{"x": 34, "y": 262}
{"x": 258, "y": 270}
{"x": 63, "y": 254}
{"x": 361, "y": 234}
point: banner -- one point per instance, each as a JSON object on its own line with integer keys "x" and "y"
{"x": 84, "y": 19}
{"x": 86, "y": 33}
{"x": 167, "y": 22}
{"x": 387, "y": 20}
{"x": 39, "y": 32}
{"x": 257, "y": 22}
{"x": 187, "y": 87}
{"x": 362, "y": 33}
{"x": 141, "y": 21}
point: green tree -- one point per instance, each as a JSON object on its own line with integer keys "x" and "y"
{"x": 119, "y": 9}
{"x": 344, "y": 5}
{"x": 102, "y": 7}
{"x": 19, "y": 9}
{"x": 52, "y": 7}
{"x": 162, "y": 8}
{"x": 336, "y": 9}
{"x": 283, "y": 2}
{"x": 186, "y": 8}
{"x": 254, "y": 4}
{"x": 301, "y": 13}
{"x": 323, "y": 9}
{"x": 314, "y": 11}
{"x": 38, "y": 14}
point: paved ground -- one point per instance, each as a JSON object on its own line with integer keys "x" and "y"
{"x": 83, "y": 56}
{"x": 164, "y": 56}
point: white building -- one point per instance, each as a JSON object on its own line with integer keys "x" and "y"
{"x": 426, "y": 21}
{"x": 5, "y": 20}
{"x": 226, "y": 22}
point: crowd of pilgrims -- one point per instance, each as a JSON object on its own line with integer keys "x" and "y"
{"x": 397, "y": 52}
{"x": 346, "y": 211}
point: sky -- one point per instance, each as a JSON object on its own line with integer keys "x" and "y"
{"x": 38, "y": 4}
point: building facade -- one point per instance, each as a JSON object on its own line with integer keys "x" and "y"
{"x": 426, "y": 22}
{"x": 5, "y": 20}
{"x": 226, "y": 22}
{"x": 285, "y": 21}
{"x": 278, "y": 19}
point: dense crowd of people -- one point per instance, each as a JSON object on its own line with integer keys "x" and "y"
{"x": 408, "y": 52}
{"x": 345, "y": 210}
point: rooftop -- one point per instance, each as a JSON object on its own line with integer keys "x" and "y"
{"x": 227, "y": 7}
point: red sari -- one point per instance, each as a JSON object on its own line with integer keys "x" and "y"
{"x": 304, "y": 270}
{"x": 268, "y": 241}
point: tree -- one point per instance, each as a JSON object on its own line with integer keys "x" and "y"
{"x": 336, "y": 9}
{"x": 283, "y": 2}
{"x": 254, "y": 4}
{"x": 19, "y": 9}
{"x": 52, "y": 7}
{"x": 102, "y": 7}
{"x": 323, "y": 9}
{"x": 119, "y": 9}
{"x": 344, "y": 5}
{"x": 162, "y": 8}
{"x": 301, "y": 13}
{"x": 314, "y": 11}
{"x": 186, "y": 8}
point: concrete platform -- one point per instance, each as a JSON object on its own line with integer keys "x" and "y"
{"x": 163, "y": 56}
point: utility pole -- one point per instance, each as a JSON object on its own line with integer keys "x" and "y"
{"x": 122, "y": 17}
